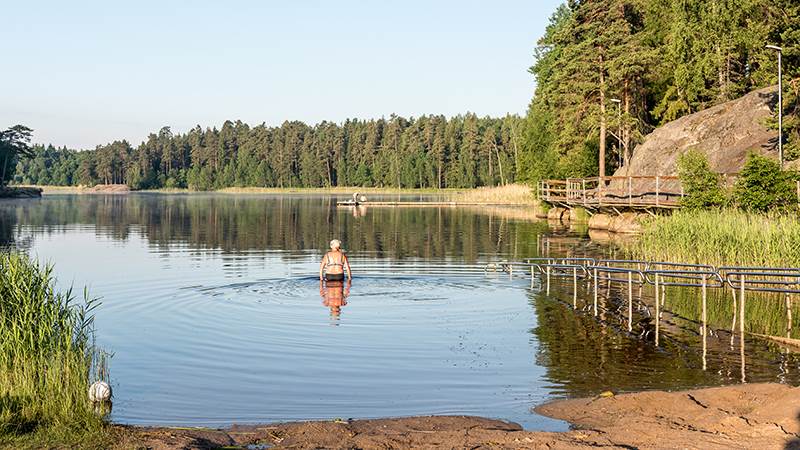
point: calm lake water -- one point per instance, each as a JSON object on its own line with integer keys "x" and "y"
{"x": 214, "y": 314}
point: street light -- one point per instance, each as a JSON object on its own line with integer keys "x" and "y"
{"x": 619, "y": 130}
{"x": 780, "y": 101}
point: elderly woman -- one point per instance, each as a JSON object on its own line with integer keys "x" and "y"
{"x": 333, "y": 264}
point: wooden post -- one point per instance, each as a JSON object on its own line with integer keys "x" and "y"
{"x": 595, "y": 292}
{"x": 630, "y": 191}
{"x": 583, "y": 185}
{"x": 658, "y": 190}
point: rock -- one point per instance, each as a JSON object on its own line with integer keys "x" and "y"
{"x": 578, "y": 214}
{"x": 725, "y": 133}
{"x": 600, "y": 222}
{"x": 557, "y": 213}
{"x": 626, "y": 223}
{"x": 20, "y": 192}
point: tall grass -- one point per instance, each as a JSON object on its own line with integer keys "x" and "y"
{"x": 727, "y": 237}
{"x": 47, "y": 354}
{"x": 508, "y": 194}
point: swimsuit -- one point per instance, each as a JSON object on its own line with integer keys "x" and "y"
{"x": 332, "y": 262}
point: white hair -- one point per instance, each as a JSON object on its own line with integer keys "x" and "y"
{"x": 336, "y": 243}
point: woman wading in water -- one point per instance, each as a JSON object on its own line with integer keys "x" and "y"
{"x": 333, "y": 264}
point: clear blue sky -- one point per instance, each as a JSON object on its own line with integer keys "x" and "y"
{"x": 85, "y": 73}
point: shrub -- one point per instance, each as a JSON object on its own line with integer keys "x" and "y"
{"x": 762, "y": 185}
{"x": 700, "y": 184}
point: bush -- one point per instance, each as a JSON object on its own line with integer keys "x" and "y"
{"x": 700, "y": 184}
{"x": 762, "y": 185}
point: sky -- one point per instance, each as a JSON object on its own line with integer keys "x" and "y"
{"x": 85, "y": 73}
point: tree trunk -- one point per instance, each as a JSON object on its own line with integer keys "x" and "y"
{"x": 602, "y": 152}
{"x": 499, "y": 165}
{"x": 491, "y": 175}
{"x": 626, "y": 129}
{"x": 3, "y": 173}
{"x": 516, "y": 152}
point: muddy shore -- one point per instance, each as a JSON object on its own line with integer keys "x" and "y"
{"x": 763, "y": 416}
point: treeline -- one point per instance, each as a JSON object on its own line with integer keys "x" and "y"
{"x": 426, "y": 152}
{"x": 609, "y": 71}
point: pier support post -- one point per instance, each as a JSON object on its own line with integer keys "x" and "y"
{"x": 741, "y": 325}
{"x": 788, "y": 317}
{"x": 595, "y": 292}
{"x": 658, "y": 309}
{"x": 574, "y": 288}
{"x": 548, "y": 279}
{"x": 704, "y": 328}
{"x": 630, "y": 302}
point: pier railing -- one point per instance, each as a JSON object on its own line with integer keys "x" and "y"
{"x": 660, "y": 275}
{"x": 643, "y": 191}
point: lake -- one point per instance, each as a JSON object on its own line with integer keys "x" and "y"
{"x": 214, "y": 313}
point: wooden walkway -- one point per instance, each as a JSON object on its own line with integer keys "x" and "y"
{"x": 631, "y": 192}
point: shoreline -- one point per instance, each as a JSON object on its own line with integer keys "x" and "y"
{"x": 762, "y": 416}
{"x": 509, "y": 195}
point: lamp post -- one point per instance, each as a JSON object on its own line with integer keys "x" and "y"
{"x": 619, "y": 128}
{"x": 780, "y": 101}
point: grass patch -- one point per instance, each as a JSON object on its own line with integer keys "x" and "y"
{"x": 726, "y": 237}
{"x": 47, "y": 359}
{"x": 516, "y": 194}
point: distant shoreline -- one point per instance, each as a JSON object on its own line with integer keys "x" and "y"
{"x": 516, "y": 194}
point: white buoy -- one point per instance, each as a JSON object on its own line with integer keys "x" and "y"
{"x": 99, "y": 391}
{"x": 363, "y": 199}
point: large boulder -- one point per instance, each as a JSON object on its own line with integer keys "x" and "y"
{"x": 725, "y": 133}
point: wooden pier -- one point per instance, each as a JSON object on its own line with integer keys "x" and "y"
{"x": 598, "y": 192}
{"x": 631, "y": 192}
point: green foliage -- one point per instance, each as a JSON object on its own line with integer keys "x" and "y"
{"x": 662, "y": 59}
{"x": 701, "y": 185}
{"x": 46, "y": 354}
{"x": 13, "y": 146}
{"x": 763, "y": 186}
{"x": 426, "y": 152}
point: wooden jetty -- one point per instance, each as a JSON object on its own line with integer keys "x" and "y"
{"x": 631, "y": 192}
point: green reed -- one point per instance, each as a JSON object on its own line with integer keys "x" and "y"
{"x": 727, "y": 237}
{"x": 765, "y": 313}
{"x": 47, "y": 356}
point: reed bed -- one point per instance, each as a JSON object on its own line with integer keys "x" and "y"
{"x": 727, "y": 237}
{"x": 47, "y": 359}
{"x": 518, "y": 194}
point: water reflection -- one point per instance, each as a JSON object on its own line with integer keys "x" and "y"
{"x": 206, "y": 296}
{"x": 334, "y": 295}
{"x": 236, "y": 224}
